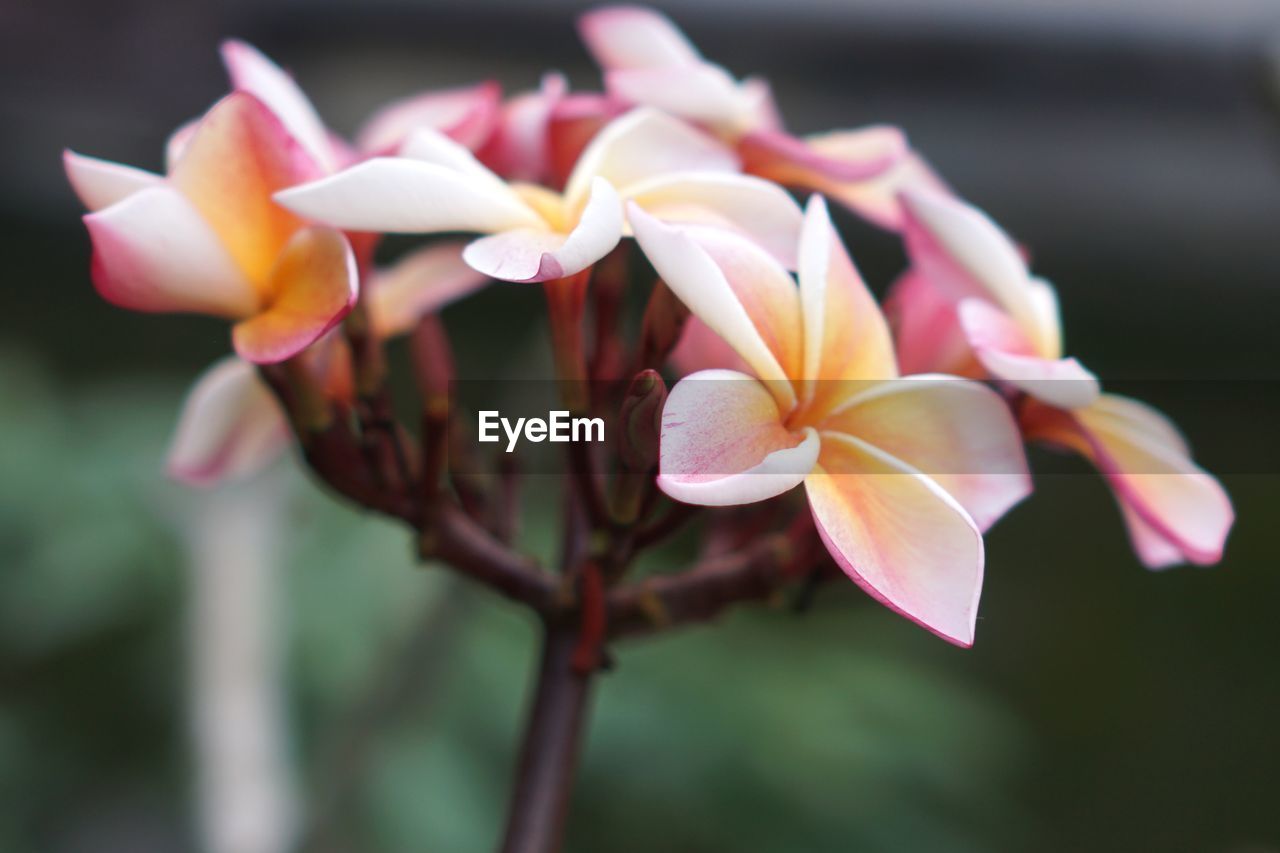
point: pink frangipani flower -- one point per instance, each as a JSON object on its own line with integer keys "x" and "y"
{"x": 970, "y": 289}
{"x": 647, "y": 60}
{"x": 902, "y": 474}
{"x": 1008, "y": 316}
{"x": 469, "y": 115}
{"x": 207, "y": 238}
{"x": 231, "y": 425}
{"x": 536, "y": 234}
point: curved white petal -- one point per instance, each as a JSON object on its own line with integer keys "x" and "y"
{"x": 899, "y": 536}
{"x": 696, "y": 277}
{"x": 759, "y": 209}
{"x": 645, "y": 144}
{"x": 231, "y": 426}
{"x": 962, "y": 250}
{"x": 252, "y": 72}
{"x": 153, "y": 252}
{"x": 703, "y": 93}
{"x": 406, "y": 196}
{"x": 527, "y": 255}
{"x": 1001, "y": 348}
{"x": 101, "y": 183}
{"x": 723, "y": 442}
{"x": 845, "y": 334}
{"x": 432, "y": 146}
{"x": 635, "y": 37}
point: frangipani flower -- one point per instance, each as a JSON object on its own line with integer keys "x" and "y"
{"x": 970, "y": 299}
{"x": 1008, "y": 316}
{"x": 468, "y": 115}
{"x": 647, "y": 60}
{"x": 251, "y": 71}
{"x": 1175, "y": 511}
{"x": 519, "y": 148}
{"x": 232, "y": 425}
{"x": 902, "y": 475}
{"x": 207, "y": 238}
{"x": 659, "y": 162}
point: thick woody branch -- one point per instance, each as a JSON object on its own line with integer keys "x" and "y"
{"x": 549, "y": 748}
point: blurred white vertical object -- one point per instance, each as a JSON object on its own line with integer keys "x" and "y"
{"x": 245, "y": 789}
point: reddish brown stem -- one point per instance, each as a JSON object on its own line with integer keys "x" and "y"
{"x": 566, "y": 305}
{"x": 714, "y": 584}
{"x": 452, "y": 536}
{"x": 549, "y": 751}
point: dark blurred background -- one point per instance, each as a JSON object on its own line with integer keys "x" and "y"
{"x": 1134, "y": 144}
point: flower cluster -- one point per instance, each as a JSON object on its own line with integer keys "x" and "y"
{"x": 906, "y": 427}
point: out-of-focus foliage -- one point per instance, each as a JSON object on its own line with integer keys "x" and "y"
{"x": 771, "y": 733}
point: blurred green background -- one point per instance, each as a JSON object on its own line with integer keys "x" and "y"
{"x": 1103, "y": 708}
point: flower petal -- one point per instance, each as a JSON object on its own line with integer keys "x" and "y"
{"x": 1162, "y": 493}
{"x": 699, "y": 348}
{"x": 467, "y": 114}
{"x": 845, "y": 335}
{"x": 153, "y": 252}
{"x": 1004, "y": 351}
{"x": 574, "y": 121}
{"x": 529, "y": 255}
{"x": 1121, "y": 414}
{"x": 644, "y": 144}
{"x": 399, "y": 195}
{"x": 252, "y": 72}
{"x": 958, "y": 433}
{"x": 635, "y": 37}
{"x": 723, "y": 442}
{"x": 899, "y": 536}
{"x": 101, "y": 183}
{"x": 926, "y": 330}
{"x": 177, "y": 143}
{"x": 734, "y": 287}
{"x": 875, "y": 199}
{"x": 231, "y": 426}
{"x": 1157, "y": 479}
{"x": 703, "y": 93}
{"x": 966, "y": 254}
{"x": 432, "y": 146}
{"x": 418, "y": 284}
{"x": 758, "y": 209}
{"x": 519, "y": 148}
{"x": 313, "y": 286}
{"x": 864, "y": 154}
{"x": 239, "y": 155}
{"x": 1153, "y": 549}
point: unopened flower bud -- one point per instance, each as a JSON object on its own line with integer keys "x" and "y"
{"x": 640, "y": 421}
